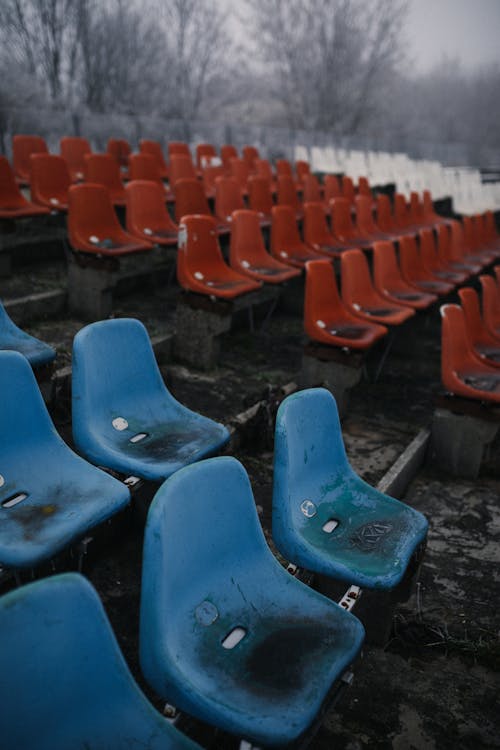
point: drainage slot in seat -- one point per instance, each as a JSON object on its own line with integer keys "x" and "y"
{"x": 330, "y": 525}
{"x": 233, "y": 638}
{"x": 14, "y": 499}
{"x": 137, "y": 438}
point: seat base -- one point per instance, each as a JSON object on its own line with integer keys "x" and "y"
{"x": 333, "y": 368}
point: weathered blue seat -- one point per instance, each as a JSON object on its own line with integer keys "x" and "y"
{"x": 13, "y": 338}
{"x": 49, "y": 496}
{"x": 65, "y": 684}
{"x": 124, "y": 417}
{"x": 226, "y": 634}
{"x": 325, "y": 517}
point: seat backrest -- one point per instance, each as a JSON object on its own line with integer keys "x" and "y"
{"x": 386, "y": 273}
{"x": 490, "y": 301}
{"x": 181, "y": 167}
{"x": 287, "y": 192}
{"x": 356, "y": 281}
{"x": 102, "y": 169}
{"x": 115, "y": 376}
{"x": 348, "y": 190}
{"x": 364, "y": 187}
{"x": 311, "y": 189}
{"x": 315, "y": 227}
{"x": 250, "y": 155}
{"x": 284, "y": 230}
{"x": 428, "y": 248}
{"x": 342, "y": 225}
{"x": 283, "y": 168}
{"x": 260, "y": 197}
{"x": 199, "y": 249}
{"x": 146, "y": 206}
{"x": 444, "y": 243}
{"x": 472, "y": 313}
{"x": 144, "y": 167}
{"x": 227, "y": 197}
{"x": 155, "y": 150}
{"x": 308, "y": 452}
{"x": 401, "y": 216}
{"x": 63, "y": 661}
{"x": 204, "y": 153}
{"x": 190, "y": 198}
{"x": 73, "y": 149}
{"x": 428, "y": 206}
{"x": 456, "y": 348}
{"x": 409, "y": 258}
{"x": 50, "y": 178}
{"x": 416, "y": 208}
{"x": 22, "y": 148}
{"x": 120, "y": 150}
{"x": 10, "y": 195}
{"x": 228, "y": 152}
{"x": 264, "y": 169}
{"x": 364, "y": 215}
{"x": 91, "y": 213}
{"x": 247, "y": 242}
{"x": 303, "y": 170}
{"x": 332, "y": 187}
{"x": 385, "y": 219}
{"x": 178, "y": 147}
{"x": 240, "y": 172}
{"x": 321, "y": 299}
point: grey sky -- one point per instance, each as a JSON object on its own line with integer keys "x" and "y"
{"x": 467, "y": 29}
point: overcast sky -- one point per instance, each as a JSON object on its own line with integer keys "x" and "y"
{"x": 468, "y": 29}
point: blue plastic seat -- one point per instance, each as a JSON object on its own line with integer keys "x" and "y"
{"x": 209, "y": 578}
{"x": 49, "y": 496}
{"x": 65, "y": 684}
{"x": 124, "y": 417}
{"x": 325, "y": 517}
{"x": 13, "y": 338}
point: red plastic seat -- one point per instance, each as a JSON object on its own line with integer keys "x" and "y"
{"x": 430, "y": 215}
{"x": 145, "y": 167}
{"x": 432, "y": 262}
{"x": 93, "y": 226}
{"x": 287, "y": 195}
{"x": 227, "y": 199}
{"x": 385, "y": 218}
{"x": 209, "y": 176}
{"x": 462, "y": 372}
{"x": 240, "y": 172}
{"x": 390, "y": 284}
{"x": 331, "y": 188}
{"x": 316, "y": 232}
{"x": 348, "y": 191}
{"x": 250, "y": 155}
{"x": 227, "y": 153}
{"x": 260, "y": 198}
{"x": 263, "y": 169}
{"x": 327, "y": 319}
{"x": 22, "y": 148}
{"x": 200, "y": 265}
{"x": 120, "y": 150}
{"x": 491, "y": 304}
{"x": 190, "y": 199}
{"x": 73, "y": 150}
{"x": 13, "y": 204}
{"x": 414, "y": 272}
{"x": 178, "y": 147}
{"x": 416, "y": 215}
{"x": 286, "y": 244}
{"x": 481, "y": 232}
{"x": 206, "y": 155}
{"x": 154, "y": 149}
{"x": 365, "y": 223}
{"x": 472, "y": 241}
{"x": 485, "y": 345}
{"x": 361, "y": 297}
{"x": 50, "y": 181}
{"x": 284, "y": 169}
{"x": 303, "y": 170}
{"x": 102, "y": 169}
{"x": 181, "y": 167}
{"x": 311, "y": 191}
{"x": 364, "y": 188}
{"x": 401, "y": 214}
{"x": 343, "y": 230}
{"x": 444, "y": 253}
{"x": 456, "y": 252}
{"x": 492, "y": 238}
{"x": 147, "y": 215}
{"x": 248, "y": 255}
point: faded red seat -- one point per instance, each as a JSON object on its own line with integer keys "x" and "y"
{"x": 491, "y": 304}
{"x": 50, "y": 181}
{"x": 284, "y": 169}
{"x": 102, "y": 169}
{"x": 120, "y": 150}
{"x": 181, "y": 167}
{"x": 303, "y": 170}
{"x": 364, "y": 188}
{"x": 484, "y": 343}
{"x": 331, "y": 188}
{"x": 228, "y": 152}
{"x": 73, "y": 150}
{"x": 178, "y": 147}
{"x": 414, "y": 272}
{"x": 209, "y": 176}
{"x": 462, "y": 371}
{"x": 260, "y": 198}
{"x": 263, "y": 169}
{"x": 250, "y": 155}
{"x": 190, "y": 199}
{"x": 13, "y": 204}
{"x": 93, "y": 226}
{"x": 22, "y": 148}
{"x": 248, "y": 254}
{"x": 365, "y": 223}
{"x": 444, "y": 252}
{"x": 432, "y": 263}
{"x": 287, "y": 195}
{"x": 240, "y": 172}
{"x": 154, "y": 149}
{"x": 343, "y": 230}
{"x": 200, "y": 265}
{"x": 348, "y": 191}
{"x": 145, "y": 167}
{"x": 316, "y": 232}
{"x": 206, "y": 156}
{"x": 327, "y": 319}
{"x": 473, "y": 245}
{"x": 390, "y": 284}
{"x": 147, "y": 215}
{"x": 286, "y": 244}
{"x": 361, "y": 297}
{"x": 227, "y": 199}
{"x": 312, "y": 192}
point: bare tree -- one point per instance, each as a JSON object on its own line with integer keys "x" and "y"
{"x": 326, "y": 58}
